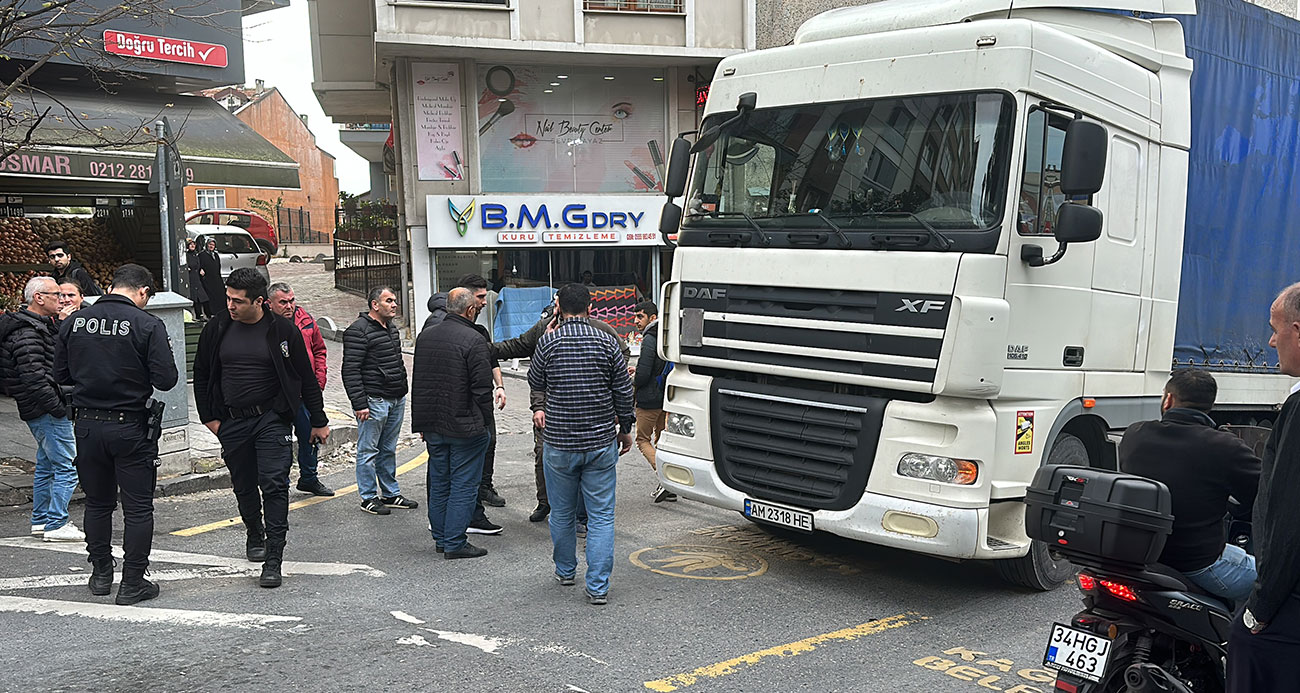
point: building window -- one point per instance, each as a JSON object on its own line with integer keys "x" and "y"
{"x": 570, "y": 129}
{"x": 636, "y": 5}
{"x": 211, "y": 199}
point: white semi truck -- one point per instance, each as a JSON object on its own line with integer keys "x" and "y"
{"x": 878, "y": 328}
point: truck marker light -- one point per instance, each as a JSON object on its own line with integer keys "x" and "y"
{"x": 1089, "y": 403}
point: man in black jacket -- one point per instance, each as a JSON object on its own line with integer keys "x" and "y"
{"x": 27, "y": 342}
{"x": 524, "y": 346}
{"x": 451, "y": 407}
{"x": 251, "y": 374}
{"x": 1266, "y": 636}
{"x": 374, "y": 376}
{"x": 67, "y": 269}
{"x": 114, "y": 355}
{"x": 1202, "y": 466}
{"x": 647, "y": 378}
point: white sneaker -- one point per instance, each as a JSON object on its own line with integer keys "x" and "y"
{"x": 38, "y": 530}
{"x": 68, "y": 532}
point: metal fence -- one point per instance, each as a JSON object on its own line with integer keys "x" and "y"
{"x": 636, "y": 5}
{"x": 294, "y": 226}
{"x": 366, "y": 251}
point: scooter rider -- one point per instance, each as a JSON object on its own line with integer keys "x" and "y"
{"x": 1202, "y": 466}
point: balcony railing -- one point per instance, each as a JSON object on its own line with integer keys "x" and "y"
{"x": 670, "y": 6}
{"x": 368, "y": 127}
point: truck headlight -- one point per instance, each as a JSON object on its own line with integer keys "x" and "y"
{"x": 942, "y": 469}
{"x": 681, "y": 425}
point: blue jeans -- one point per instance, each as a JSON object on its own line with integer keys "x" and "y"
{"x": 455, "y": 471}
{"x": 1230, "y": 577}
{"x": 55, "y": 477}
{"x": 306, "y": 450}
{"x": 574, "y": 479}
{"x": 377, "y": 448}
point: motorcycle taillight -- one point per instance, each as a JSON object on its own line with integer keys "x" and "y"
{"x": 1120, "y": 590}
{"x": 1087, "y": 583}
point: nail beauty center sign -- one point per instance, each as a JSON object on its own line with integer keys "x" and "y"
{"x": 489, "y": 221}
{"x": 170, "y": 50}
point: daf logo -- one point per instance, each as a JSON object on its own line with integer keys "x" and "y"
{"x": 919, "y": 305}
{"x": 705, "y": 293}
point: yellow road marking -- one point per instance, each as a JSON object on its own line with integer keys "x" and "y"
{"x": 221, "y": 524}
{"x": 731, "y": 666}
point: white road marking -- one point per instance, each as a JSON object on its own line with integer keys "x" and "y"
{"x": 40, "y": 581}
{"x": 482, "y": 642}
{"x": 136, "y": 614}
{"x": 415, "y": 640}
{"x": 575, "y": 688}
{"x": 403, "y": 616}
{"x": 565, "y": 650}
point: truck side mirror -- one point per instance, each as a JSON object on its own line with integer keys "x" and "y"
{"x": 1077, "y": 223}
{"x": 679, "y": 164}
{"x": 670, "y": 219}
{"x": 1083, "y": 157}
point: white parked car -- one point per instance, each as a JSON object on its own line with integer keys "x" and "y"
{"x": 236, "y": 247}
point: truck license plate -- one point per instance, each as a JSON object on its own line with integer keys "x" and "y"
{"x": 1077, "y": 652}
{"x": 777, "y": 515}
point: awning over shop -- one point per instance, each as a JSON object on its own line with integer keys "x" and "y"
{"x": 108, "y": 137}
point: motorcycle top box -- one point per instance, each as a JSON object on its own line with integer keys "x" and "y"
{"x": 1099, "y": 517}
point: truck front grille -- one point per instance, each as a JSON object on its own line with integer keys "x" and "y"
{"x": 812, "y": 450}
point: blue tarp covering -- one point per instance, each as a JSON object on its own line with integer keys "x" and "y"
{"x": 519, "y": 309}
{"x": 1242, "y": 242}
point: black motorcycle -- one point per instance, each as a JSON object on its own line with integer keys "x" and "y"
{"x": 1145, "y": 627}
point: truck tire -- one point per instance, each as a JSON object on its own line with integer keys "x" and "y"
{"x": 1037, "y": 570}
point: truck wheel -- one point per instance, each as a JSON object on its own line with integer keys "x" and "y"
{"x": 1037, "y": 570}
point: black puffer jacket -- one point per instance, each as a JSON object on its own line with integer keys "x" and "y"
{"x": 437, "y": 311}
{"x": 27, "y": 364}
{"x": 452, "y": 380}
{"x": 649, "y": 390}
{"x": 372, "y": 362}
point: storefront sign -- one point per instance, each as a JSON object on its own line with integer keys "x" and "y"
{"x": 170, "y": 50}
{"x": 439, "y": 145}
{"x": 92, "y": 165}
{"x": 485, "y": 221}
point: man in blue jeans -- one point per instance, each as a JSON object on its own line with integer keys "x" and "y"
{"x": 1202, "y": 466}
{"x": 282, "y": 301}
{"x": 27, "y": 343}
{"x": 586, "y": 421}
{"x": 374, "y": 377}
{"x": 451, "y": 408}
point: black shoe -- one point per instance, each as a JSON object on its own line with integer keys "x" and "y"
{"x": 566, "y": 581}
{"x": 598, "y": 599}
{"x": 466, "y": 551}
{"x": 101, "y": 577}
{"x": 582, "y": 530}
{"x": 483, "y": 526}
{"x": 316, "y": 488}
{"x": 400, "y": 501}
{"x": 134, "y": 591}
{"x": 661, "y": 494}
{"x": 255, "y": 548}
{"x": 540, "y": 512}
{"x": 489, "y": 496}
{"x": 374, "y": 507}
{"x": 270, "y": 574}
{"x": 439, "y": 549}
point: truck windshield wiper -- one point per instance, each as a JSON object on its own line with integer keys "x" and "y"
{"x": 844, "y": 239}
{"x": 758, "y": 230}
{"x": 939, "y": 239}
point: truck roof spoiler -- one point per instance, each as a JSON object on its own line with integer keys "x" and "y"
{"x": 894, "y": 15}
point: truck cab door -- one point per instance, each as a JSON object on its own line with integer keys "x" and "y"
{"x": 1117, "y": 274}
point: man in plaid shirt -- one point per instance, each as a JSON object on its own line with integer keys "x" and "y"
{"x": 586, "y": 424}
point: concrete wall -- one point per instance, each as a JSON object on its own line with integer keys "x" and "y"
{"x": 445, "y": 21}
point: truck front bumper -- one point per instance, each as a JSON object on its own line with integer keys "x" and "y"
{"x": 957, "y": 532}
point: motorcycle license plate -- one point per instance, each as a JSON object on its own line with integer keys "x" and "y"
{"x": 1077, "y": 652}
{"x": 777, "y": 515}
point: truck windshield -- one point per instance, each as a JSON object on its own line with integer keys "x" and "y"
{"x": 933, "y": 167}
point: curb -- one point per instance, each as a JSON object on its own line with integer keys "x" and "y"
{"x": 192, "y": 483}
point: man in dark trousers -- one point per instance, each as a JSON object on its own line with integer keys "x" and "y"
{"x": 1202, "y": 466}
{"x": 587, "y": 420}
{"x": 451, "y": 407}
{"x": 114, "y": 355}
{"x": 524, "y": 346}
{"x": 648, "y": 379}
{"x": 1266, "y": 635}
{"x": 251, "y": 373}
{"x": 67, "y": 269}
{"x": 487, "y": 494}
{"x": 374, "y": 376}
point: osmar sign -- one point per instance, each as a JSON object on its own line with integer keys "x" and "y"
{"x": 487, "y": 221}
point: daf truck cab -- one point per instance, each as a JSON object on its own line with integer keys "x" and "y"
{"x": 923, "y": 250}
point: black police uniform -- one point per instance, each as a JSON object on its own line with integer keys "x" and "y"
{"x": 253, "y": 379}
{"x": 114, "y": 355}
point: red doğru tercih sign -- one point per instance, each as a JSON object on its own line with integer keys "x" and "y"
{"x": 162, "y": 48}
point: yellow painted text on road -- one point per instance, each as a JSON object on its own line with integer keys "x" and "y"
{"x": 731, "y": 666}
{"x": 346, "y": 490}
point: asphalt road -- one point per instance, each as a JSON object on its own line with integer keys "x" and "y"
{"x": 700, "y": 601}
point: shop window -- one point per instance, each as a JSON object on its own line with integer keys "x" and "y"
{"x": 1040, "y": 187}
{"x": 570, "y": 129}
{"x": 211, "y": 199}
{"x": 636, "y": 5}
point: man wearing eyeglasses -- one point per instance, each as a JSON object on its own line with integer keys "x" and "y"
{"x": 67, "y": 269}
{"x": 114, "y": 355}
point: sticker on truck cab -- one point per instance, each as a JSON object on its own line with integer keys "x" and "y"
{"x": 1024, "y": 432}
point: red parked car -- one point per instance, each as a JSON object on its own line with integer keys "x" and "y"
{"x": 252, "y": 222}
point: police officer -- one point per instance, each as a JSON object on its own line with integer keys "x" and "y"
{"x": 251, "y": 375}
{"x": 114, "y": 355}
